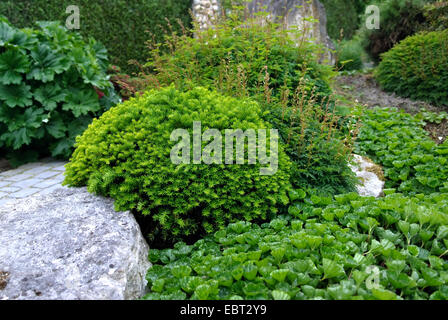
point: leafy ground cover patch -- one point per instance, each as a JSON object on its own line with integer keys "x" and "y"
{"x": 348, "y": 247}
{"x": 413, "y": 162}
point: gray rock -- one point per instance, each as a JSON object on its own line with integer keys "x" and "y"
{"x": 291, "y": 13}
{"x": 70, "y": 245}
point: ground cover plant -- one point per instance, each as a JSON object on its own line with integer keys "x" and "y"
{"x": 348, "y": 247}
{"x": 121, "y": 26}
{"x": 417, "y": 68}
{"x": 125, "y": 154}
{"x": 51, "y": 82}
{"x": 413, "y": 163}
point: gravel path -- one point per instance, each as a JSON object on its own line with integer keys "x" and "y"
{"x": 365, "y": 89}
{"x": 39, "y": 177}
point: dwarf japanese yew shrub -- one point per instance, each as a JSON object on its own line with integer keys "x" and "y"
{"x": 418, "y": 68}
{"x": 125, "y": 154}
{"x": 48, "y": 78}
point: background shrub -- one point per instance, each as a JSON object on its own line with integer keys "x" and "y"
{"x": 349, "y": 55}
{"x": 343, "y": 17}
{"x": 123, "y": 26}
{"x": 436, "y": 15}
{"x": 398, "y": 20}
{"x": 417, "y": 68}
{"x": 125, "y": 154}
{"x": 47, "y": 89}
{"x": 262, "y": 61}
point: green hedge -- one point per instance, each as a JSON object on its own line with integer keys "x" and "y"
{"x": 120, "y": 25}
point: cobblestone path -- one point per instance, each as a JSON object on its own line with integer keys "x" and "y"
{"x": 32, "y": 178}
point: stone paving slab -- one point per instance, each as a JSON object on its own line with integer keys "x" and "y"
{"x": 40, "y": 177}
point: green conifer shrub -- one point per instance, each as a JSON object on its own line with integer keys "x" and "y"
{"x": 417, "y": 68}
{"x": 278, "y": 68}
{"x": 125, "y": 154}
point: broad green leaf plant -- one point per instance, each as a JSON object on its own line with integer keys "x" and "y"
{"x": 48, "y": 78}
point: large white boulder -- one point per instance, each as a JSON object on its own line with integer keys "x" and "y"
{"x": 70, "y": 245}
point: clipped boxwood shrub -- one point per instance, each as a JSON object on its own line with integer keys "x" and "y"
{"x": 125, "y": 154}
{"x": 417, "y": 68}
{"x": 123, "y": 26}
{"x": 48, "y": 79}
{"x": 347, "y": 248}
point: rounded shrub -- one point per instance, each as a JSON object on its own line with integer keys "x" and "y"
{"x": 240, "y": 57}
{"x": 418, "y": 68}
{"x": 125, "y": 154}
{"x": 51, "y": 82}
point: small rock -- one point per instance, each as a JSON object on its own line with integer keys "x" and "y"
{"x": 70, "y": 244}
{"x": 371, "y": 176}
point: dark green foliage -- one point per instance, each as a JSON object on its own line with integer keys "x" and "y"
{"x": 349, "y": 55}
{"x": 417, "y": 68}
{"x": 263, "y": 62}
{"x": 236, "y": 57}
{"x": 317, "y": 135}
{"x": 123, "y": 26}
{"x": 436, "y": 15}
{"x": 345, "y": 248}
{"x": 47, "y": 89}
{"x": 412, "y": 162}
{"x": 125, "y": 155}
{"x": 398, "y": 20}
{"x": 343, "y": 17}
